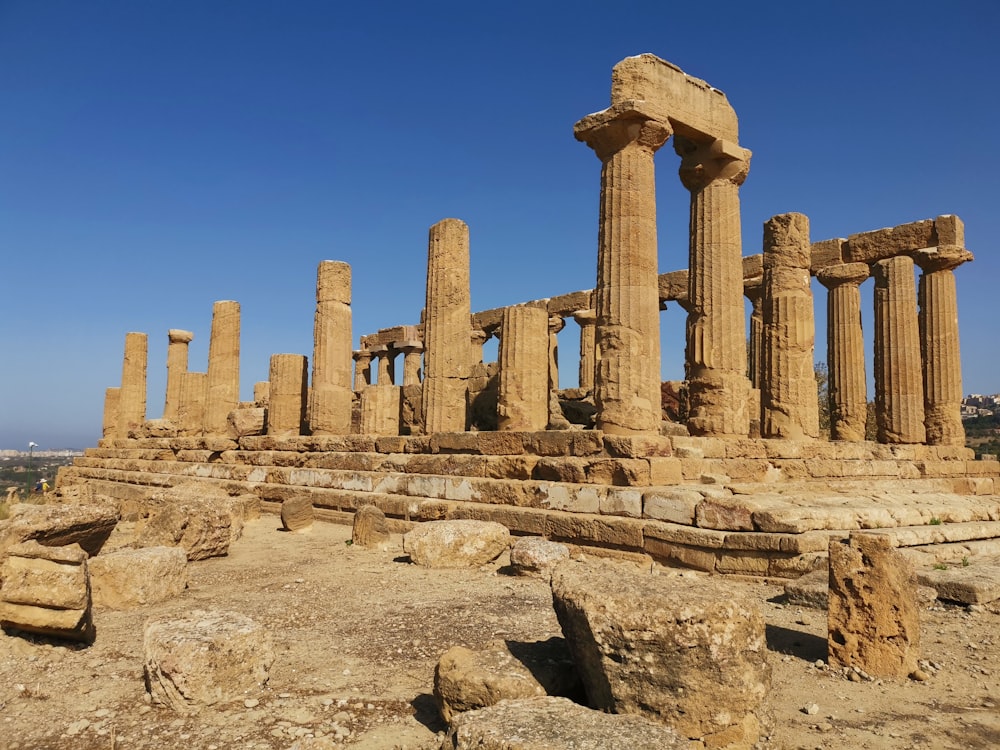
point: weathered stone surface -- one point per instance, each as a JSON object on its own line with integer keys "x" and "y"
{"x": 130, "y": 578}
{"x": 244, "y": 422}
{"x": 286, "y": 410}
{"x": 370, "y": 528}
{"x": 297, "y": 513}
{"x": 809, "y": 590}
{"x": 132, "y": 396}
{"x": 549, "y": 723}
{"x": 465, "y": 679}
{"x": 46, "y": 590}
{"x": 874, "y": 620}
{"x": 59, "y": 525}
{"x": 330, "y": 393}
{"x": 535, "y": 556}
{"x": 676, "y": 649}
{"x": 456, "y": 544}
{"x": 523, "y": 397}
{"x": 188, "y": 517}
{"x": 979, "y": 583}
{"x": 223, "y": 377}
{"x": 204, "y": 658}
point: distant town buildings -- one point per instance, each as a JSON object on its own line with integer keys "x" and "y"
{"x": 978, "y": 405}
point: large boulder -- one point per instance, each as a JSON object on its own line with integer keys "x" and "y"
{"x": 203, "y": 520}
{"x": 131, "y": 578}
{"x": 683, "y": 650}
{"x": 204, "y": 658}
{"x": 59, "y": 525}
{"x": 465, "y": 680}
{"x": 549, "y": 723}
{"x": 537, "y": 557}
{"x": 456, "y": 544}
{"x": 46, "y": 590}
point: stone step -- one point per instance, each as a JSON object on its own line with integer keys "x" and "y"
{"x": 943, "y": 533}
{"x": 978, "y": 582}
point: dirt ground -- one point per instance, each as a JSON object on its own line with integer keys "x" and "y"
{"x": 357, "y": 634}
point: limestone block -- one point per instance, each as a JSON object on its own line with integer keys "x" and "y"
{"x": 46, "y": 590}
{"x": 809, "y": 590}
{"x": 537, "y": 557}
{"x": 370, "y": 528}
{"x": 244, "y": 422}
{"x": 874, "y": 620}
{"x": 204, "y": 658}
{"x": 88, "y": 525}
{"x": 456, "y": 544}
{"x": 975, "y": 584}
{"x": 548, "y": 723}
{"x": 676, "y": 505}
{"x": 185, "y": 517}
{"x": 130, "y": 578}
{"x": 684, "y": 651}
{"x": 297, "y": 513}
{"x": 465, "y": 680}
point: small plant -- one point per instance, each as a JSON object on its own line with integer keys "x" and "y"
{"x": 940, "y": 566}
{"x": 935, "y": 521}
{"x": 965, "y": 562}
{"x": 349, "y": 542}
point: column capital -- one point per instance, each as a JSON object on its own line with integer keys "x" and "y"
{"x": 379, "y": 351}
{"x": 753, "y": 290}
{"x": 843, "y": 273}
{"x": 408, "y": 347}
{"x": 705, "y": 162}
{"x": 556, "y": 323}
{"x": 586, "y": 317}
{"x": 362, "y": 355}
{"x": 478, "y": 336}
{"x": 177, "y": 336}
{"x": 630, "y": 121}
{"x": 942, "y": 258}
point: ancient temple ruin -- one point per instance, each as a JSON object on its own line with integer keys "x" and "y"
{"x": 744, "y": 484}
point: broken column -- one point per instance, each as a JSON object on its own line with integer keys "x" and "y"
{"x": 412, "y": 351}
{"x": 523, "y": 399}
{"x": 286, "y": 411}
{"x": 380, "y": 410}
{"x": 177, "y": 364}
{"x": 191, "y": 409}
{"x": 362, "y": 369}
{"x": 330, "y": 395}
{"x": 939, "y": 343}
{"x": 223, "y": 366}
{"x": 587, "y": 320}
{"x": 789, "y": 407}
{"x": 112, "y": 405}
{"x": 899, "y": 390}
{"x": 627, "y": 379}
{"x": 847, "y": 383}
{"x": 447, "y": 346}
{"x": 717, "y": 384}
{"x": 132, "y": 396}
{"x": 754, "y": 292}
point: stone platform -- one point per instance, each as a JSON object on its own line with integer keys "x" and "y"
{"x": 752, "y": 507}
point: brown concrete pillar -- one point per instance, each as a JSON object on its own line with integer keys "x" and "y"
{"x": 587, "y": 320}
{"x": 447, "y": 342}
{"x": 132, "y": 397}
{"x": 939, "y": 343}
{"x": 523, "y": 398}
{"x": 177, "y": 364}
{"x": 362, "y": 369}
{"x": 330, "y": 395}
{"x": 789, "y": 408}
{"x": 380, "y": 410}
{"x": 289, "y": 378}
{"x": 717, "y": 350}
{"x": 754, "y": 291}
{"x": 847, "y": 385}
{"x": 191, "y": 409}
{"x": 412, "y": 351}
{"x": 899, "y": 389}
{"x": 112, "y": 406}
{"x": 223, "y": 367}
{"x": 627, "y": 377}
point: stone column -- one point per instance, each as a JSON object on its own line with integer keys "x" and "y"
{"x": 261, "y": 393}
{"x": 939, "y": 343}
{"x": 380, "y": 410}
{"x": 191, "y": 409}
{"x": 386, "y": 366}
{"x": 132, "y": 397}
{"x": 845, "y": 344}
{"x": 362, "y": 369}
{"x": 477, "y": 339}
{"x": 177, "y": 364}
{"x": 330, "y": 395}
{"x": 754, "y": 292}
{"x": 523, "y": 398}
{"x": 627, "y": 377}
{"x": 587, "y": 319}
{"x": 789, "y": 407}
{"x": 112, "y": 406}
{"x": 447, "y": 341}
{"x": 412, "y": 351}
{"x": 223, "y": 367}
{"x": 717, "y": 349}
{"x": 556, "y": 324}
{"x": 289, "y": 378}
{"x": 899, "y": 389}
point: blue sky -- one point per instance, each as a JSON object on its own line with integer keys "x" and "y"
{"x": 157, "y": 156}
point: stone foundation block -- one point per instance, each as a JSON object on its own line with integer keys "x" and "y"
{"x": 537, "y": 557}
{"x": 370, "y": 529}
{"x": 130, "y": 578}
{"x": 456, "y": 544}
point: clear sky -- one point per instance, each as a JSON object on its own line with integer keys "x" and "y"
{"x": 157, "y": 156}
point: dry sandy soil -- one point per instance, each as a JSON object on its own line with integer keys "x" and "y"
{"x": 357, "y": 634}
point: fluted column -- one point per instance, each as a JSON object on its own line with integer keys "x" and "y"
{"x": 717, "y": 349}
{"x": 939, "y": 343}
{"x": 177, "y": 364}
{"x": 261, "y": 393}
{"x": 847, "y": 385}
{"x": 132, "y": 398}
{"x": 112, "y": 406}
{"x": 555, "y": 324}
{"x": 627, "y": 376}
{"x": 755, "y": 293}
{"x": 477, "y": 339}
{"x": 412, "y": 351}
{"x": 330, "y": 395}
{"x": 223, "y": 367}
{"x": 899, "y": 389}
{"x": 384, "y": 367}
{"x": 586, "y": 319}
{"x": 523, "y": 397}
{"x": 289, "y": 378}
{"x": 789, "y": 408}
{"x": 191, "y": 409}
{"x": 447, "y": 344}
{"x": 380, "y": 410}
{"x": 362, "y": 369}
